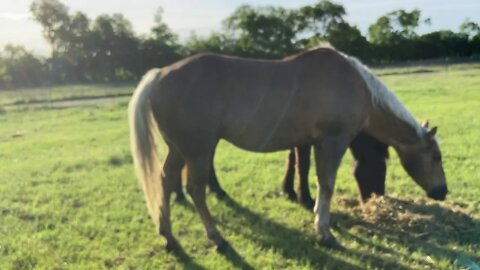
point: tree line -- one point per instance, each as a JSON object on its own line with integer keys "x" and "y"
{"x": 106, "y": 49}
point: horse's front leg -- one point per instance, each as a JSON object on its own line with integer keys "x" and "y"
{"x": 328, "y": 155}
{"x": 178, "y": 189}
{"x": 302, "y": 154}
{"x": 288, "y": 179}
{"x": 213, "y": 183}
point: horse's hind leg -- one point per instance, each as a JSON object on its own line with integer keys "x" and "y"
{"x": 288, "y": 179}
{"x": 369, "y": 167}
{"x": 213, "y": 183}
{"x": 179, "y": 188}
{"x": 370, "y": 176}
{"x": 170, "y": 176}
{"x": 328, "y": 155}
{"x": 303, "y": 168}
{"x": 198, "y": 174}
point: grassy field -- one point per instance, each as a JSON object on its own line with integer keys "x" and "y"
{"x": 62, "y": 93}
{"x": 69, "y": 198}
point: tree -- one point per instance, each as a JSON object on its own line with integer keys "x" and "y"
{"x": 113, "y": 48}
{"x": 161, "y": 32}
{"x": 19, "y": 67}
{"x": 392, "y": 35}
{"x": 161, "y": 46}
{"x": 441, "y": 44}
{"x": 53, "y": 16}
{"x": 470, "y": 28}
{"x": 267, "y": 32}
{"x": 319, "y": 18}
{"x": 395, "y": 25}
{"x": 217, "y": 42}
{"x": 67, "y": 36}
{"x": 348, "y": 39}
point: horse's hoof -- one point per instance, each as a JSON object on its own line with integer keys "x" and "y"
{"x": 331, "y": 243}
{"x": 223, "y": 247}
{"x": 172, "y": 246}
{"x": 307, "y": 203}
{"x": 180, "y": 198}
{"x": 291, "y": 196}
{"x": 221, "y": 194}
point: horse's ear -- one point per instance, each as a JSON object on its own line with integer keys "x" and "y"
{"x": 425, "y": 124}
{"x": 431, "y": 133}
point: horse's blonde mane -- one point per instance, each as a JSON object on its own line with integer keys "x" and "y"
{"x": 382, "y": 96}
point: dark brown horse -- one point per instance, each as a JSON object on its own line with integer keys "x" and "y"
{"x": 321, "y": 98}
{"x": 369, "y": 169}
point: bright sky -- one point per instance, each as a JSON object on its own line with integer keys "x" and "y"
{"x": 203, "y": 16}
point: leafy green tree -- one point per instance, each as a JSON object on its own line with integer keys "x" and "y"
{"x": 217, "y": 42}
{"x": 442, "y": 44}
{"x": 273, "y": 32}
{"x": 396, "y": 25}
{"x": 320, "y": 17}
{"x": 20, "y": 68}
{"x": 106, "y": 48}
{"x": 113, "y": 47}
{"x": 392, "y": 35}
{"x": 67, "y": 36}
{"x": 53, "y": 16}
{"x": 267, "y": 32}
{"x": 161, "y": 46}
{"x": 348, "y": 39}
{"x": 470, "y": 28}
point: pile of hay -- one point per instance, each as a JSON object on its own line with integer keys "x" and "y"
{"x": 418, "y": 217}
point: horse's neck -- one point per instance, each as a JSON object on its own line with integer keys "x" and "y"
{"x": 392, "y": 130}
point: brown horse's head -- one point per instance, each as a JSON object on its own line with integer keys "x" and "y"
{"x": 423, "y": 162}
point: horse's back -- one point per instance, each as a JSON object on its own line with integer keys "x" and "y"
{"x": 261, "y": 105}
{"x": 296, "y": 102}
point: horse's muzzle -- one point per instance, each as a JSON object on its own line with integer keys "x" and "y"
{"x": 438, "y": 193}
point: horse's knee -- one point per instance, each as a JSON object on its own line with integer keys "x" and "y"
{"x": 326, "y": 189}
{"x": 196, "y": 189}
{"x": 291, "y": 157}
{"x": 191, "y": 188}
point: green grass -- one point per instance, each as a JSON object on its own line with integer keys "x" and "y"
{"x": 60, "y": 93}
{"x": 403, "y": 69}
{"x": 69, "y": 198}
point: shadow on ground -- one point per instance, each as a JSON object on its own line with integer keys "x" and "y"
{"x": 303, "y": 246}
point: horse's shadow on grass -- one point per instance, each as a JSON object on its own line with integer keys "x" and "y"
{"x": 430, "y": 236}
{"x": 231, "y": 254}
{"x": 303, "y": 246}
{"x": 187, "y": 261}
{"x": 292, "y": 244}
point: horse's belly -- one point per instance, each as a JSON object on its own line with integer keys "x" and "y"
{"x": 260, "y": 137}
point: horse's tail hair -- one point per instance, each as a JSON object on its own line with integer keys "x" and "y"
{"x": 142, "y": 142}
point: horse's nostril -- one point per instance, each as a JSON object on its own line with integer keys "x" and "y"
{"x": 438, "y": 193}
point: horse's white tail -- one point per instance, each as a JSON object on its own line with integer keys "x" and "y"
{"x": 142, "y": 142}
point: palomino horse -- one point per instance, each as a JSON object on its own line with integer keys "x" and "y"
{"x": 321, "y": 98}
{"x": 369, "y": 168}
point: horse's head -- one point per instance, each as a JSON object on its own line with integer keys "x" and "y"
{"x": 423, "y": 162}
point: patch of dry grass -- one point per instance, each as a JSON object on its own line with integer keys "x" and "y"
{"x": 419, "y": 216}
